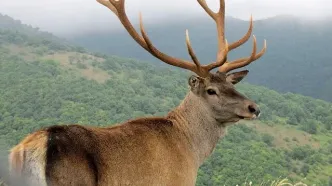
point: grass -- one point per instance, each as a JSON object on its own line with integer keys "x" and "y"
{"x": 67, "y": 60}
{"x": 323, "y": 138}
{"x": 275, "y": 183}
{"x": 285, "y": 182}
{"x": 285, "y": 136}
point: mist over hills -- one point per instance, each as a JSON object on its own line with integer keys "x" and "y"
{"x": 45, "y": 80}
{"x": 297, "y": 58}
{"x": 11, "y": 24}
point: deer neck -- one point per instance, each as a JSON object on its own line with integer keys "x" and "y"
{"x": 198, "y": 125}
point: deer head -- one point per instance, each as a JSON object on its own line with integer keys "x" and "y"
{"x": 218, "y": 95}
{"x": 215, "y": 90}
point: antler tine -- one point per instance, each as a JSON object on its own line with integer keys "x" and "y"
{"x": 191, "y": 50}
{"x": 223, "y": 47}
{"x": 196, "y": 67}
{"x": 118, "y": 8}
{"x": 239, "y": 63}
{"x": 109, "y": 6}
{"x": 245, "y": 38}
{"x": 219, "y": 19}
{"x": 204, "y": 5}
{"x": 221, "y": 61}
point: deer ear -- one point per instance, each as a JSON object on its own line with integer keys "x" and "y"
{"x": 193, "y": 81}
{"x": 236, "y": 77}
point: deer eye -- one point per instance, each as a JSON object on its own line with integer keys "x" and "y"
{"x": 211, "y": 91}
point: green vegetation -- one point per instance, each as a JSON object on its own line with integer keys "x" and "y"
{"x": 296, "y": 59}
{"x": 64, "y": 85}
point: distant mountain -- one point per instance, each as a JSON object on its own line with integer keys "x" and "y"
{"x": 17, "y": 32}
{"x": 298, "y": 57}
{"x": 44, "y": 81}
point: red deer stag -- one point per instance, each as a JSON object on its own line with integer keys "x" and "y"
{"x": 147, "y": 151}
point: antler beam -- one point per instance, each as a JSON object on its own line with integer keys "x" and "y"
{"x": 118, "y": 8}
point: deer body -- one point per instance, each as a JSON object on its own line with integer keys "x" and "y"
{"x": 146, "y": 151}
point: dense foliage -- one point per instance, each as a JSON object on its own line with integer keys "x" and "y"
{"x": 36, "y": 92}
{"x": 39, "y": 93}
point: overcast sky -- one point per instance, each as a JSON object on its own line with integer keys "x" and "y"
{"x": 76, "y": 15}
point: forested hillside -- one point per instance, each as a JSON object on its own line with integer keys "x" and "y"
{"x": 298, "y": 50}
{"x": 45, "y": 82}
{"x": 13, "y": 32}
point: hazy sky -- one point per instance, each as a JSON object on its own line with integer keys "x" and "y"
{"x": 76, "y": 15}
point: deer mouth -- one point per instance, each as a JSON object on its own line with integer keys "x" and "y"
{"x": 252, "y": 117}
{"x": 241, "y": 117}
{"x": 236, "y": 118}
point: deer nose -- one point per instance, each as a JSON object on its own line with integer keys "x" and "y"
{"x": 254, "y": 109}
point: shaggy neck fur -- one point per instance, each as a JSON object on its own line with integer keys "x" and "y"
{"x": 196, "y": 122}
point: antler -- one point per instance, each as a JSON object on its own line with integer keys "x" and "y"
{"x": 228, "y": 66}
{"x": 118, "y": 8}
{"x": 219, "y": 18}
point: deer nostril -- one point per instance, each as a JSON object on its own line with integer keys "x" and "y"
{"x": 254, "y": 110}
